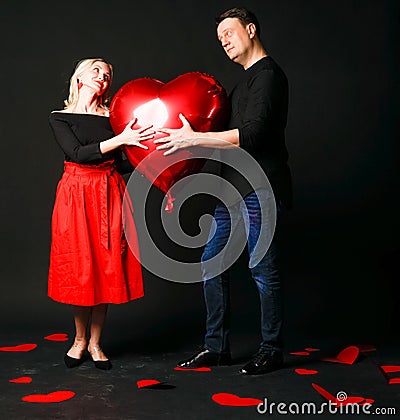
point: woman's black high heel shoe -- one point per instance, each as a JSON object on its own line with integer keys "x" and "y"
{"x": 72, "y": 362}
{"x": 103, "y": 364}
{"x": 100, "y": 364}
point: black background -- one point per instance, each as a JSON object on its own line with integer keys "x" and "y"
{"x": 340, "y": 240}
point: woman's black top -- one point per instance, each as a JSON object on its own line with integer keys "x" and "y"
{"x": 80, "y": 135}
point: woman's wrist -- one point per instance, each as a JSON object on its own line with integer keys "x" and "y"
{"x": 118, "y": 140}
{"x": 111, "y": 144}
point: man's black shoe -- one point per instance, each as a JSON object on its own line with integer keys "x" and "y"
{"x": 205, "y": 358}
{"x": 263, "y": 362}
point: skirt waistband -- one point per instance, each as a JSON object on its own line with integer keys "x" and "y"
{"x": 107, "y": 168}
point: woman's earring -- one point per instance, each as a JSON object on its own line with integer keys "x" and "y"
{"x": 80, "y": 84}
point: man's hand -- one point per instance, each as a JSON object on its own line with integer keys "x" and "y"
{"x": 178, "y": 138}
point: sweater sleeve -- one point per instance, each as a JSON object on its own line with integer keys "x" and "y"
{"x": 70, "y": 144}
{"x": 258, "y": 116}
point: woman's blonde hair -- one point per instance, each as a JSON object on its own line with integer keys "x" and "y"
{"x": 82, "y": 66}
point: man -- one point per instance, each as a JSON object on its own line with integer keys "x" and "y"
{"x": 258, "y": 118}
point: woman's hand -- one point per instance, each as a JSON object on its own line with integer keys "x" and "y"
{"x": 179, "y": 138}
{"x": 130, "y": 137}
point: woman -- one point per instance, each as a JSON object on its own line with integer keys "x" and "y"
{"x": 90, "y": 262}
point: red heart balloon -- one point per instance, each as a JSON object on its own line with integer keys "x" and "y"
{"x": 198, "y": 96}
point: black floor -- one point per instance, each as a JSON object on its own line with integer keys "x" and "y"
{"x": 186, "y": 395}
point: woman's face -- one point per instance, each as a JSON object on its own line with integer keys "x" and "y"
{"x": 97, "y": 77}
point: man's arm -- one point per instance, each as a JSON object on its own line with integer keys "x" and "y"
{"x": 186, "y": 137}
{"x": 263, "y": 97}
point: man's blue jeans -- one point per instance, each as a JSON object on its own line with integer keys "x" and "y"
{"x": 265, "y": 273}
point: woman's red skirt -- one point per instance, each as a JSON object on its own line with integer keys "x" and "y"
{"x": 90, "y": 260}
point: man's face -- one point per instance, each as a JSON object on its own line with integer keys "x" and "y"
{"x": 235, "y": 38}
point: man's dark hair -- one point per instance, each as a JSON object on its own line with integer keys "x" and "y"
{"x": 244, "y": 15}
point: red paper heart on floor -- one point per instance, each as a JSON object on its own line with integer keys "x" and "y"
{"x": 352, "y": 400}
{"x": 19, "y": 348}
{"x": 146, "y": 382}
{"x": 342, "y": 401}
{"x": 53, "y": 397}
{"x": 327, "y": 395}
{"x": 368, "y": 401}
{"x": 306, "y": 371}
{"x": 390, "y": 373}
{"x": 347, "y": 356}
{"x": 21, "y": 380}
{"x": 300, "y": 353}
{"x": 234, "y": 400}
{"x": 57, "y": 337}
{"x": 200, "y": 369}
{"x": 390, "y": 368}
{"x": 198, "y": 96}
